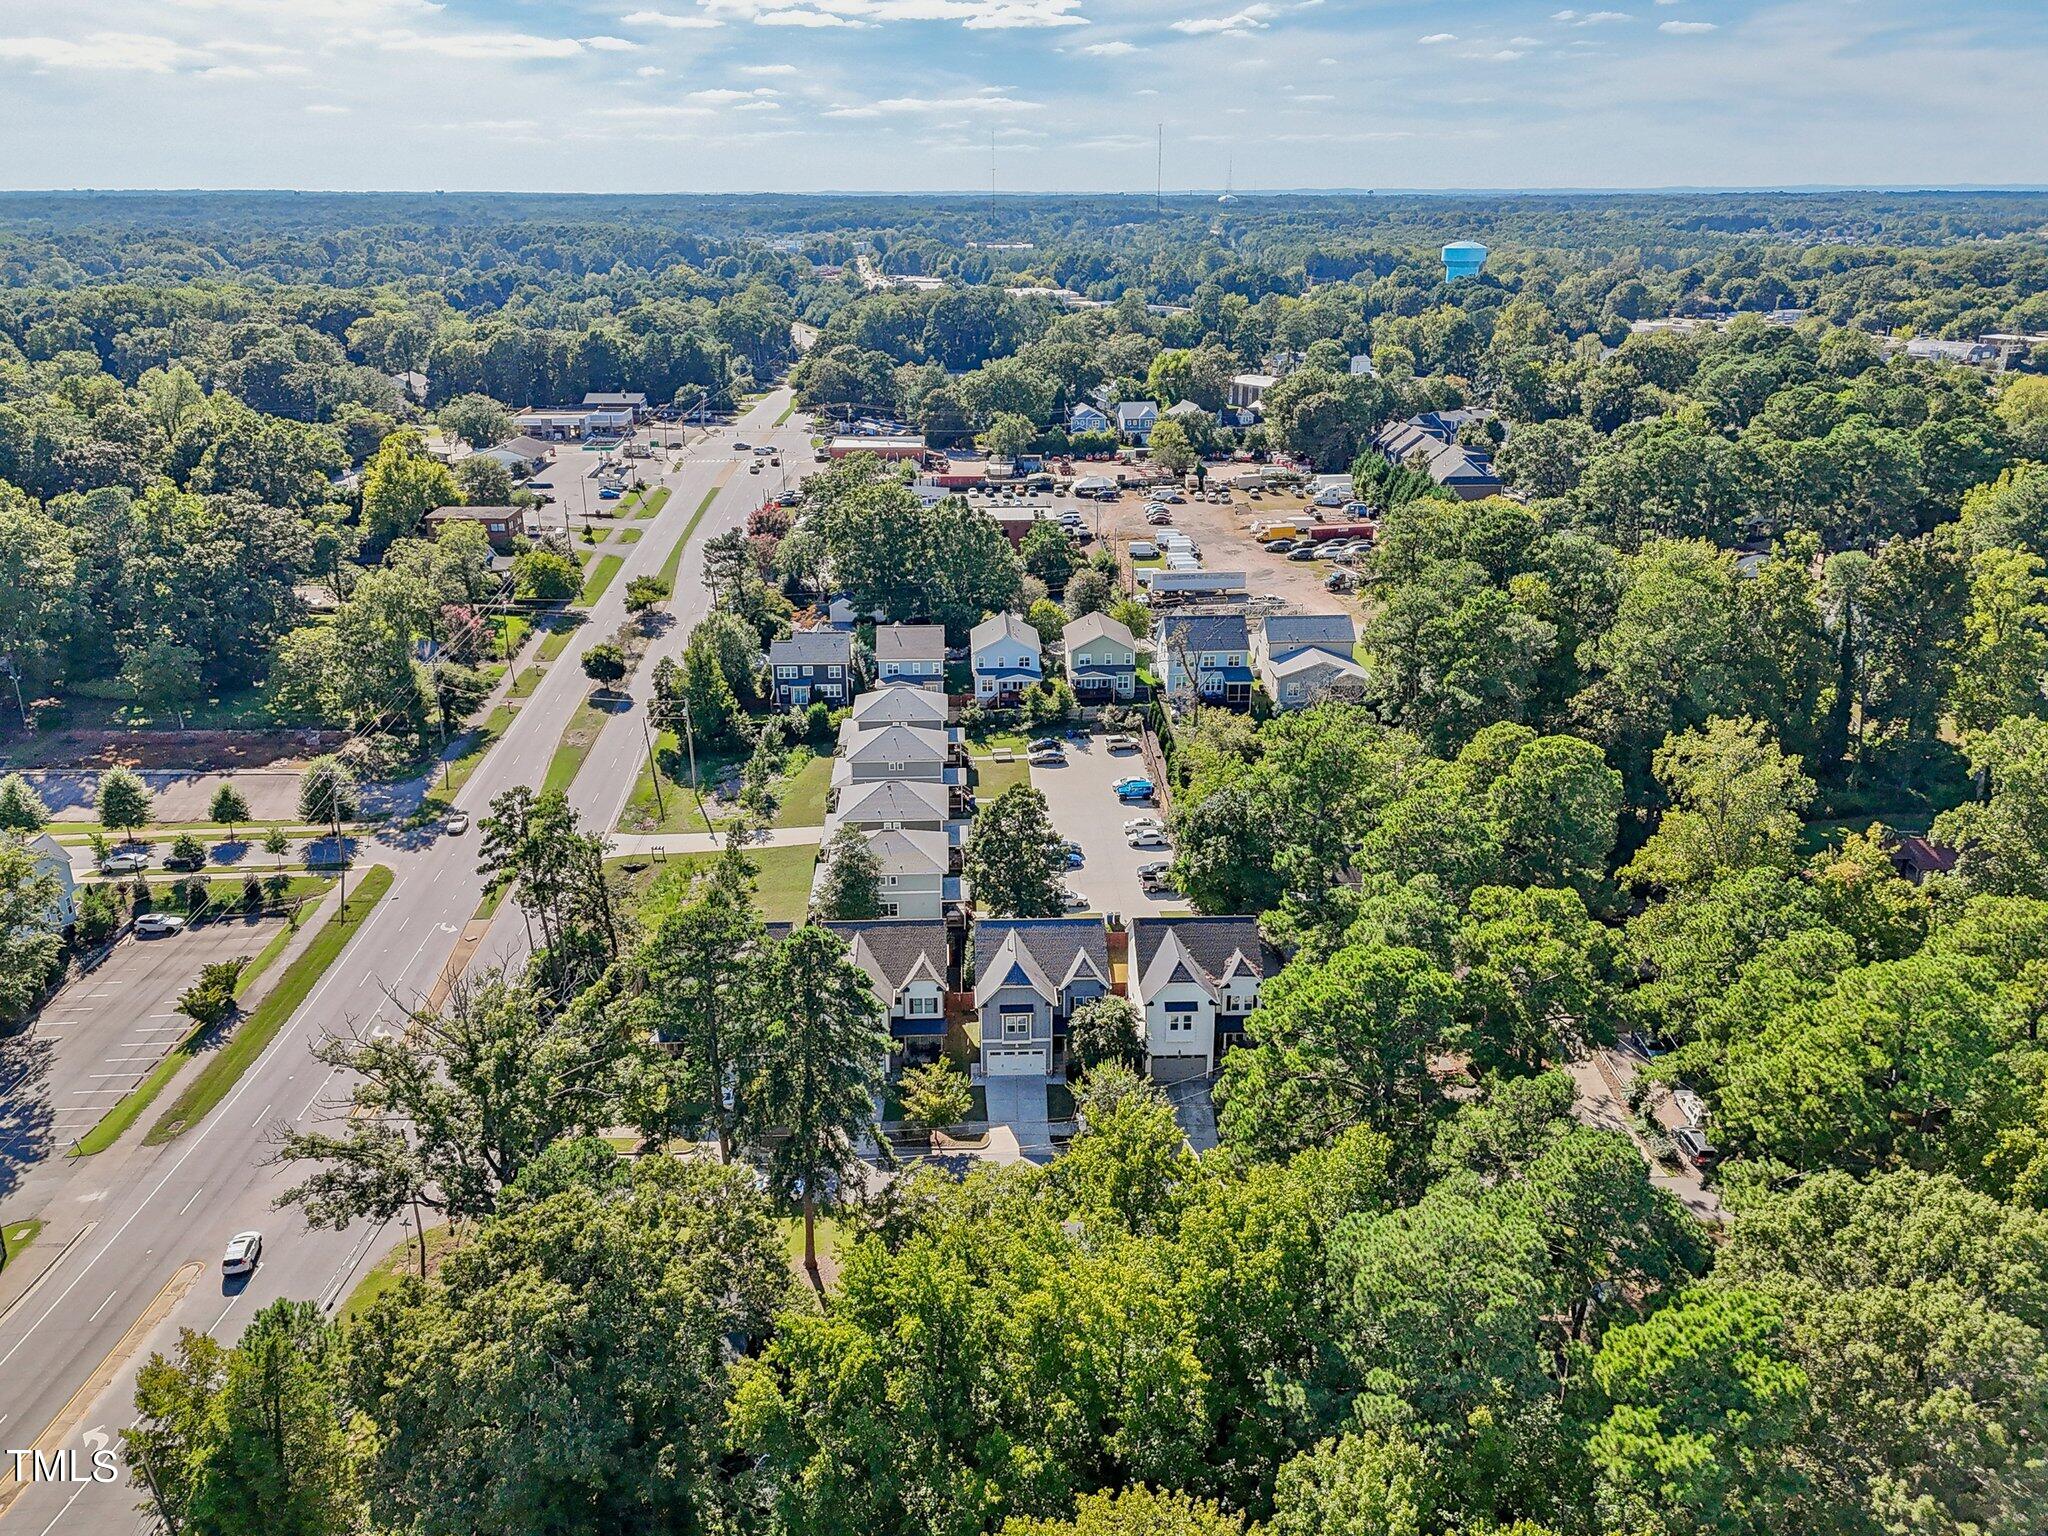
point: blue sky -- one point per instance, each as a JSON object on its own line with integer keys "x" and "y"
{"x": 792, "y": 95}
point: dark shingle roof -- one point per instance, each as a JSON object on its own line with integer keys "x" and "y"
{"x": 1052, "y": 941}
{"x": 1198, "y": 632}
{"x": 1210, "y": 941}
{"x": 892, "y": 944}
{"x": 910, "y": 642}
{"x": 812, "y": 648}
{"x": 1291, "y": 631}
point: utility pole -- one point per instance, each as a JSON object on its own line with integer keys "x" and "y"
{"x": 653, "y": 768}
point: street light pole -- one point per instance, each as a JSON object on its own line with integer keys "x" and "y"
{"x": 653, "y": 768}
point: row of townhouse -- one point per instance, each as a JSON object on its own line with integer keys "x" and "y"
{"x": 900, "y": 778}
{"x": 824, "y": 665}
{"x": 1216, "y": 656}
{"x": 1194, "y": 980}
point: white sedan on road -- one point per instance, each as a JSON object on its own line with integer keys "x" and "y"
{"x": 131, "y": 863}
{"x": 244, "y": 1250}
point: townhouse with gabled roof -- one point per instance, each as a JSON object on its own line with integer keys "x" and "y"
{"x": 1195, "y": 980}
{"x": 1030, "y": 974}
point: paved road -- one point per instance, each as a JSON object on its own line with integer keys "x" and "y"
{"x": 145, "y": 1226}
{"x": 96, "y": 1039}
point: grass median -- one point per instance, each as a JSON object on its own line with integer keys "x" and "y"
{"x": 248, "y": 1038}
{"x": 674, "y": 562}
{"x": 585, "y": 726}
{"x": 600, "y": 577}
{"x": 17, "y": 1236}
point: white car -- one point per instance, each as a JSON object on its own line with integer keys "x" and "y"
{"x": 124, "y": 863}
{"x": 1143, "y": 824}
{"x": 1047, "y": 757}
{"x": 1147, "y": 837}
{"x": 1072, "y": 900}
{"x": 244, "y": 1249}
{"x": 1143, "y": 549}
{"x": 1121, "y": 743}
{"x": 457, "y": 824}
{"x": 152, "y": 924}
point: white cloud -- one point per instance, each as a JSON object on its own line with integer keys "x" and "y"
{"x": 1110, "y": 50}
{"x": 767, "y": 69}
{"x": 1504, "y": 55}
{"x": 1253, "y": 18}
{"x": 134, "y": 52}
{"x": 1687, "y": 28}
{"x": 1589, "y": 18}
{"x": 1437, "y": 37}
{"x": 724, "y": 96}
{"x": 803, "y": 19}
{"x": 327, "y": 109}
{"x": 650, "y": 71}
{"x": 992, "y": 101}
{"x": 611, "y": 44}
{"x": 669, "y": 19}
{"x": 477, "y": 45}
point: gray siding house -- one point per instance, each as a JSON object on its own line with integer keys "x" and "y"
{"x": 911, "y": 653}
{"x": 1030, "y": 974}
{"x": 811, "y": 665}
{"x": 1102, "y": 659}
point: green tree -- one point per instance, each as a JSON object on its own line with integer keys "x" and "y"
{"x": 1106, "y": 1031}
{"x": 1048, "y": 553}
{"x": 29, "y": 937}
{"x": 645, "y": 592}
{"x": 327, "y": 794}
{"x": 1007, "y": 435}
{"x": 123, "y": 800}
{"x": 484, "y": 482}
{"x": 1704, "y": 1420}
{"x": 2002, "y": 840}
{"x": 1535, "y": 977}
{"x": 38, "y": 571}
{"x": 1555, "y": 807}
{"x": 402, "y": 484}
{"x": 210, "y": 1000}
{"x": 21, "y": 808}
{"x": 1015, "y": 860}
{"x": 1359, "y": 1484}
{"x": 851, "y": 885}
{"x": 2023, "y": 412}
{"x": 1088, "y": 591}
{"x": 936, "y": 1095}
{"x": 1169, "y": 447}
{"x": 228, "y": 807}
{"x": 544, "y": 576}
{"x": 2004, "y": 657}
{"x": 1735, "y": 804}
{"x": 604, "y": 663}
{"x": 1133, "y": 1512}
{"x": 1048, "y": 619}
{"x": 477, "y": 420}
{"x": 1340, "y": 1043}
{"x": 163, "y": 676}
{"x": 812, "y": 1088}
{"x": 569, "y": 1369}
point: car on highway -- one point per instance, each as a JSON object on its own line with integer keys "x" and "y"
{"x": 245, "y": 1250}
{"x": 133, "y": 862}
{"x": 740, "y": 446}
{"x": 151, "y": 925}
{"x": 457, "y": 824}
{"x": 1120, "y": 742}
{"x": 754, "y": 468}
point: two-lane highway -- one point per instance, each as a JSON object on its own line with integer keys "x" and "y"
{"x": 146, "y": 1226}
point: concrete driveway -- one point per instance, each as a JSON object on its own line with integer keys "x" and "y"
{"x": 1018, "y": 1104}
{"x": 1086, "y": 809}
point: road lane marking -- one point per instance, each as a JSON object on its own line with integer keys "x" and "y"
{"x": 193, "y": 1201}
{"x": 259, "y": 1115}
{"x": 96, "y": 1311}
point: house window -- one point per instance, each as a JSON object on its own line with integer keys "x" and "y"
{"x": 888, "y": 879}
{"x": 1017, "y": 1025}
{"x": 782, "y": 670}
{"x": 888, "y": 909}
{"x": 832, "y": 671}
{"x": 1180, "y": 1018}
{"x": 924, "y": 1007}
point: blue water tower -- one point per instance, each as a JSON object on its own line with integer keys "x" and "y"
{"x": 1463, "y": 258}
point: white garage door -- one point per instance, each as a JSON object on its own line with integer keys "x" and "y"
{"x": 1016, "y": 1060}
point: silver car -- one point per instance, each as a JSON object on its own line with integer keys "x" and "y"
{"x": 245, "y": 1249}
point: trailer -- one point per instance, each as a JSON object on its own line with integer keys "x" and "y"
{"x": 1322, "y": 533}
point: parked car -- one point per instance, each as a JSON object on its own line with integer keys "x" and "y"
{"x": 1693, "y": 1146}
{"x": 1047, "y": 757}
{"x": 540, "y": 485}
{"x": 1158, "y": 517}
{"x": 1143, "y": 549}
{"x": 1076, "y": 858}
{"x": 156, "y": 924}
{"x": 1155, "y": 869}
{"x": 1141, "y": 823}
{"x": 1132, "y": 781}
{"x": 130, "y": 863}
{"x": 184, "y": 862}
{"x": 1121, "y": 742}
{"x": 609, "y": 493}
{"x": 245, "y": 1249}
{"x": 1147, "y": 837}
{"x": 1340, "y": 581}
{"x": 1171, "y": 496}
{"x": 1139, "y": 795}
{"x": 1281, "y": 547}
{"x": 1043, "y": 744}
{"x": 1304, "y": 552}
{"x": 1072, "y": 900}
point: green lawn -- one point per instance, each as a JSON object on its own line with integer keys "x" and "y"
{"x": 650, "y": 504}
{"x": 560, "y": 628}
{"x": 385, "y": 1274}
{"x": 585, "y": 726}
{"x": 599, "y": 577}
{"x": 263, "y": 960}
{"x": 628, "y": 535}
{"x": 17, "y": 1237}
{"x": 248, "y": 1039}
{"x": 528, "y": 679}
{"x": 989, "y": 738}
{"x": 475, "y": 743}
{"x": 800, "y": 797}
{"x": 246, "y": 831}
{"x": 226, "y": 891}
{"x": 783, "y": 878}
{"x": 991, "y": 778}
{"x": 788, "y": 411}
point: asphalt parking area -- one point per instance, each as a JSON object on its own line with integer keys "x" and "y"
{"x": 101, "y": 1034}
{"x": 1086, "y": 809}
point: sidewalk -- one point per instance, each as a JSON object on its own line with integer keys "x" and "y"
{"x": 629, "y": 843}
